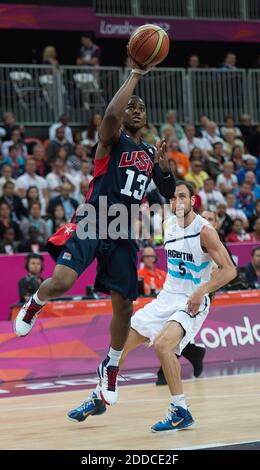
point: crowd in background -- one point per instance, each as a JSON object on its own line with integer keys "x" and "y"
{"x": 43, "y": 182}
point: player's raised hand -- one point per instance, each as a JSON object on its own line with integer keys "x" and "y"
{"x": 161, "y": 156}
{"x": 142, "y": 70}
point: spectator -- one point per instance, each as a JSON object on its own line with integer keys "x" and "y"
{"x": 238, "y": 234}
{"x": 89, "y": 53}
{"x": 251, "y": 179}
{"x": 233, "y": 212}
{"x": 149, "y": 133}
{"x": 230, "y": 142}
{"x": 84, "y": 176}
{"x": 49, "y": 56}
{"x": 171, "y": 119}
{"x": 194, "y": 61}
{"x": 32, "y": 195}
{"x": 227, "y": 181}
{"x": 57, "y": 177}
{"x": 83, "y": 189}
{"x": 230, "y": 125}
{"x": 69, "y": 204}
{"x": 31, "y": 179}
{"x": 29, "y": 284}
{"x": 16, "y": 207}
{"x": 252, "y": 271}
{"x": 203, "y": 125}
{"x": 58, "y": 143}
{"x": 210, "y": 196}
{"x": 214, "y": 163}
{"x": 63, "y": 155}
{"x": 225, "y": 221}
{"x": 250, "y": 163}
{"x": 16, "y": 139}
{"x": 230, "y": 61}
{"x": 196, "y": 175}
{"x": 256, "y": 64}
{"x": 237, "y": 158}
{"x": 35, "y": 220}
{"x": 256, "y": 232}
{"x": 190, "y": 141}
{"x": 168, "y": 133}
{"x": 33, "y": 244}
{"x": 255, "y": 216}
{"x": 8, "y": 246}
{"x": 180, "y": 158}
{"x": 246, "y": 126}
{"x": 15, "y": 161}
{"x": 56, "y": 221}
{"x": 63, "y": 122}
{"x": 153, "y": 277}
{"x": 77, "y": 137}
{"x": 73, "y": 163}
{"x": 38, "y": 154}
{"x": 245, "y": 200}
{"x": 6, "y": 221}
{"x": 90, "y": 136}
{"x": 253, "y": 143}
{"x": 6, "y": 176}
{"x": 211, "y": 136}
{"x": 31, "y": 142}
{"x": 9, "y": 125}
{"x": 2, "y": 134}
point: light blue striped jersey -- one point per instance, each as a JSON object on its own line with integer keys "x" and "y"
{"x": 188, "y": 265}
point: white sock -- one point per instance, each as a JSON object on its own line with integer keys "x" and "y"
{"x": 37, "y": 300}
{"x": 179, "y": 400}
{"x": 97, "y": 391}
{"x": 114, "y": 357}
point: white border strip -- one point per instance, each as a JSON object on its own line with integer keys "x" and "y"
{"x": 214, "y": 444}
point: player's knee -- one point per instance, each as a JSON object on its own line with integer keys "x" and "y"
{"x": 128, "y": 311}
{"x": 161, "y": 346}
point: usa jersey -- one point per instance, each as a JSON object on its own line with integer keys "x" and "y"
{"x": 188, "y": 265}
{"x": 124, "y": 174}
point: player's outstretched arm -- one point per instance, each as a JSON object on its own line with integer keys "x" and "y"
{"x": 226, "y": 270}
{"x": 110, "y": 127}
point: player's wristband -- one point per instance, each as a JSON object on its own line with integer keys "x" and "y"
{"x": 139, "y": 71}
{"x": 166, "y": 174}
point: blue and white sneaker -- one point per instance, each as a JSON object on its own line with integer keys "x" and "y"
{"x": 108, "y": 382}
{"x": 177, "y": 419}
{"x": 93, "y": 406}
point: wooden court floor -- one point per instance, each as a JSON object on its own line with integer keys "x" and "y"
{"x": 226, "y": 410}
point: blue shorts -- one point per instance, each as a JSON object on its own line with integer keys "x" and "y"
{"x": 116, "y": 263}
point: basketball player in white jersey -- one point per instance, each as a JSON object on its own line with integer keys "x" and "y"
{"x": 173, "y": 319}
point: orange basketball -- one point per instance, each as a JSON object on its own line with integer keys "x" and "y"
{"x": 148, "y": 45}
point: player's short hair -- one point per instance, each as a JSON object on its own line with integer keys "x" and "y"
{"x": 135, "y": 98}
{"x": 188, "y": 186}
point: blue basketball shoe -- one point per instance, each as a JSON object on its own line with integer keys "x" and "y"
{"x": 93, "y": 406}
{"x": 178, "y": 418}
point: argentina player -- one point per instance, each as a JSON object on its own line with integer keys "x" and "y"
{"x": 174, "y": 318}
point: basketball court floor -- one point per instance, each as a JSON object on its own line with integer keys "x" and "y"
{"x": 226, "y": 409}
